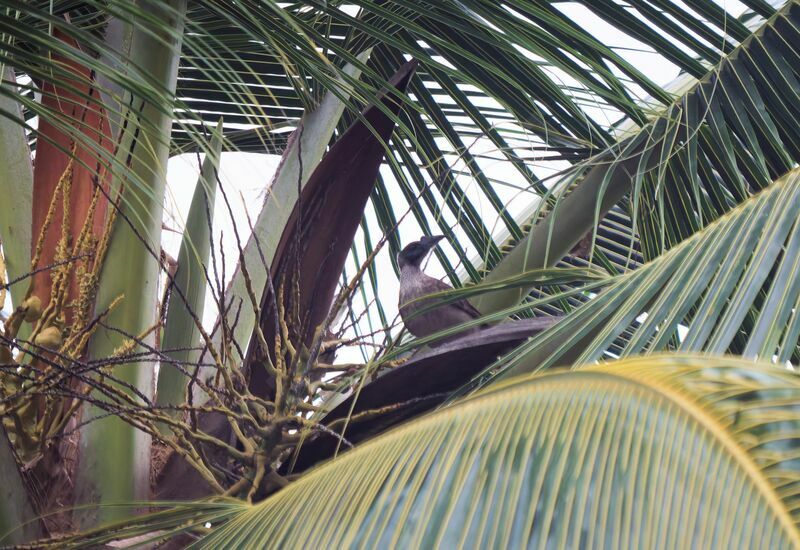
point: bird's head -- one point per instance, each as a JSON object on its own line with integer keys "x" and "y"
{"x": 414, "y": 253}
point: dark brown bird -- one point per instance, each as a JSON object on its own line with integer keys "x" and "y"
{"x": 415, "y": 284}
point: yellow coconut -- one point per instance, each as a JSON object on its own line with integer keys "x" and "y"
{"x": 33, "y": 309}
{"x": 50, "y": 337}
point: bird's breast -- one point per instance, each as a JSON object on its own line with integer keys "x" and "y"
{"x": 412, "y": 286}
{"x": 416, "y": 285}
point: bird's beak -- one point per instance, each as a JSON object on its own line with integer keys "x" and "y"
{"x": 430, "y": 242}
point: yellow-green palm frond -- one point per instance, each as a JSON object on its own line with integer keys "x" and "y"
{"x": 666, "y": 451}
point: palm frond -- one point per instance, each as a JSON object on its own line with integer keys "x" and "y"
{"x": 563, "y": 91}
{"x": 729, "y": 288}
{"x": 498, "y": 469}
{"x": 727, "y": 138}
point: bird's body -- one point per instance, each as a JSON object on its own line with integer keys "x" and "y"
{"x": 414, "y": 284}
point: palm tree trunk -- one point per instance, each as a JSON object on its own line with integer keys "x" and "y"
{"x": 114, "y": 463}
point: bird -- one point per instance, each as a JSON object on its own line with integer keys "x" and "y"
{"x": 416, "y": 284}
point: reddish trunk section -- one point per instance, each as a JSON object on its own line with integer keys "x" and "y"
{"x": 77, "y": 100}
{"x": 80, "y": 101}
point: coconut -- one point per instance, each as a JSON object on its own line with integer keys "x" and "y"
{"x": 50, "y": 337}
{"x": 33, "y": 309}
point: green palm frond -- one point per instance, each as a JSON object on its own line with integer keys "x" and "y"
{"x": 541, "y": 82}
{"x": 564, "y": 459}
{"x": 728, "y": 137}
{"x": 169, "y": 519}
{"x": 189, "y": 283}
{"x": 732, "y": 287}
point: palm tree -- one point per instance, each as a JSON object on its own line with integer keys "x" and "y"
{"x": 646, "y": 219}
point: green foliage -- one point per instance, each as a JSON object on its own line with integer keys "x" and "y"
{"x": 730, "y": 288}
{"x": 564, "y": 459}
{"x": 729, "y": 136}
